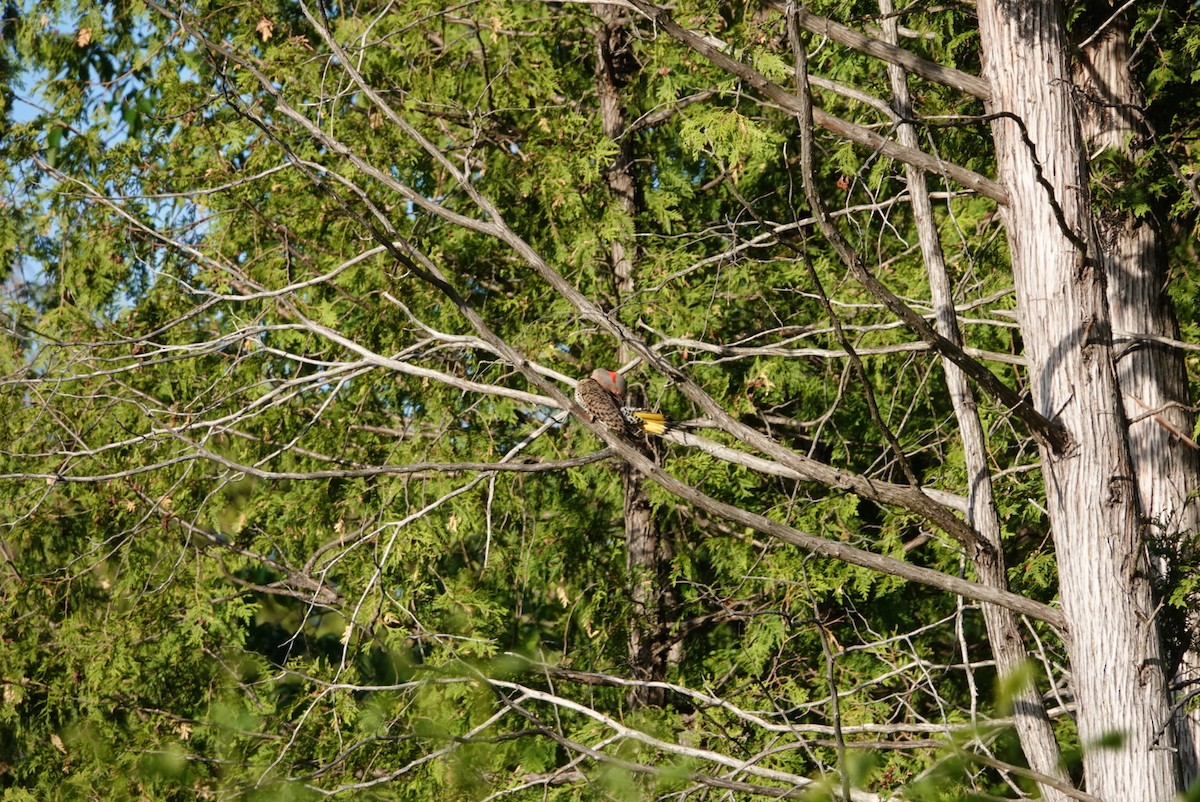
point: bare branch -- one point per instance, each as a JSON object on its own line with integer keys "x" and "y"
{"x": 891, "y": 53}
{"x": 786, "y": 100}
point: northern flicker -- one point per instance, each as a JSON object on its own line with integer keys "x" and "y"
{"x": 602, "y": 394}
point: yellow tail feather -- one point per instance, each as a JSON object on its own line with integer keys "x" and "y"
{"x": 653, "y": 422}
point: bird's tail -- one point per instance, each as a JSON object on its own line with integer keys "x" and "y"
{"x": 652, "y": 422}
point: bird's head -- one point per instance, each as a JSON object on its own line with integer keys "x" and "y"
{"x": 610, "y": 380}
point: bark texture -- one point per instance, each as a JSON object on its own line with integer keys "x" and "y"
{"x": 1094, "y": 507}
{"x": 649, "y": 552}
{"x": 1152, "y": 376}
{"x": 1029, "y": 713}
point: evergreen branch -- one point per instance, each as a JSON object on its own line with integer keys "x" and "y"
{"x": 891, "y": 53}
{"x": 417, "y": 469}
{"x": 909, "y": 498}
{"x": 729, "y": 353}
{"x": 767, "y": 467}
{"x": 494, "y": 225}
{"x": 855, "y": 133}
{"x": 1050, "y": 433}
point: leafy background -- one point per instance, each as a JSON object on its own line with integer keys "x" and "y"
{"x": 237, "y": 571}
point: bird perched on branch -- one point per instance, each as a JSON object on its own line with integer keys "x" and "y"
{"x": 603, "y": 395}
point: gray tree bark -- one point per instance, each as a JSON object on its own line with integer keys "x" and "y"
{"x": 1029, "y": 713}
{"x": 1093, "y": 502}
{"x": 648, "y": 551}
{"x": 1152, "y": 376}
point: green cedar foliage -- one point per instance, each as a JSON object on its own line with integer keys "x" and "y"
{"x": 237, "y": 570}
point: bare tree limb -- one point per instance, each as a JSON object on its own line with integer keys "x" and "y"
{"x": 855, "y": 133}
{"x": 889, "y": 52}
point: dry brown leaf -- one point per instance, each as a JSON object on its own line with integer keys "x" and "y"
{"x": 264, "y": 28}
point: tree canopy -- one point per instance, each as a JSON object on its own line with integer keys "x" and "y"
{"x": 295, "y": 501}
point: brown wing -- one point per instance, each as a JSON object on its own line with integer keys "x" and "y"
{"x": 601, "y": 404}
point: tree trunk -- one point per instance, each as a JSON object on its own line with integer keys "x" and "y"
{"x": 1029, "y": 713}
{"x": 1152, "y": 376}
{"x": 1104, "y": 586}
{"x": 648, "y": 552}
